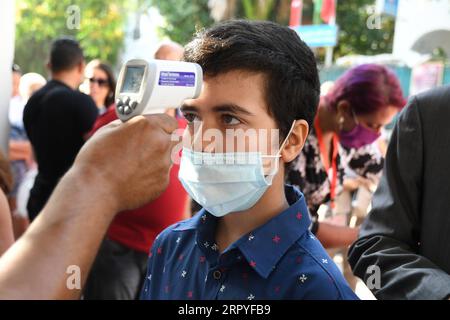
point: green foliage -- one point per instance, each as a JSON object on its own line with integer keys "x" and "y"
{"x": 183, "y": 18}
{"x": 355, "y": 37}
{"x": 100, "y": 32}
{"x": 257, "y": 9}
{"x": 273, "y": 10}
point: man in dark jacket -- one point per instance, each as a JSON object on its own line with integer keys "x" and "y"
{"x": 407, "y": 234}
{"x": 57, "y": 118}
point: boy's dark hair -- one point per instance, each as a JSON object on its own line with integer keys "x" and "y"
{"x": 292, "y": 81}
{"x": 65, "y": 54}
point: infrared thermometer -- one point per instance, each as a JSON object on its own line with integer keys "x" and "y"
{"x": 146, "y": 87}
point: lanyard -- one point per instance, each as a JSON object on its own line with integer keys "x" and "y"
{"x": 325, "y": 160}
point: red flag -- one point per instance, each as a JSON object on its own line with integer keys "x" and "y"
{"x": 328, "y": 10}
{"x": 296, "y": 13}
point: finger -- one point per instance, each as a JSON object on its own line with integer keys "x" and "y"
{"x": 166, "y": 122}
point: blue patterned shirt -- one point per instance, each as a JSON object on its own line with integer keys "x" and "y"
{"x": 279, "y": 260}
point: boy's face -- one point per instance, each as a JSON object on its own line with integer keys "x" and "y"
{"x": 231, "y": 115}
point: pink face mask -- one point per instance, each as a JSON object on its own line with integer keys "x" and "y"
{"x": 357, "y": 137}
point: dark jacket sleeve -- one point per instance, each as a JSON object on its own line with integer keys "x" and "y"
{"x": 86, "y": 112}
{"x": 389, "y": 238}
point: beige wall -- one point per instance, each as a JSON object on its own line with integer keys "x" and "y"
{"x": 7, "y": 26}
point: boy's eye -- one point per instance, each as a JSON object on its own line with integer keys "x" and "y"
{"x": 191, "y": 117}
{"x": 230, "y": 120}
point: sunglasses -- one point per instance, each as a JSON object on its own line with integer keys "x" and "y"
{"x": 100, "y": 82}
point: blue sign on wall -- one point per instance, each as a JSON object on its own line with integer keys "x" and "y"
{"x": 321, "y": 35}
{"x": 388, "y": 7}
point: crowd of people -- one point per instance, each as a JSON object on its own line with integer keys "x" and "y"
{"x": 223, "y": 231}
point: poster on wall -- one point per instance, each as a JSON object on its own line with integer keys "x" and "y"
{"x": 426, "y": 76}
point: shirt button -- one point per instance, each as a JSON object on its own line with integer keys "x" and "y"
{"x": 217, "y": 274}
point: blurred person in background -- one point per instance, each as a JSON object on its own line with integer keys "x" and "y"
{"x": 119, "y": 269}
{"x": 57, "y": 119}
{"x": 348, "y": 121}
{"x": 169, "y": 50}
{"x": 20, "y": 151}
{"x": 16, "y": 103}
{"x": 6, "y": 183}
{"x": 100, "y": 84}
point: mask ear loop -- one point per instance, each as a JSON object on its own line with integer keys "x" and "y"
{"x": 286, "y": 139}
{"x": 278, "y": 154}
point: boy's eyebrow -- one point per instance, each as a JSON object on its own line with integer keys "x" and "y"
{"x": 232, "y": 108}
{"x": 229, "y": 107}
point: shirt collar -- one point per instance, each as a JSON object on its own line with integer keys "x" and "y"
{"x": 266, "y": 245}
{"x": 54, "y": 81}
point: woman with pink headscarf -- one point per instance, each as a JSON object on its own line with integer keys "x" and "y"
{"x": 348, "y": 121}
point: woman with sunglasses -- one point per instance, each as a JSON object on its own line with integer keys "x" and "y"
{"x": 348, "y": 120}
{"x": 100, "y": 84}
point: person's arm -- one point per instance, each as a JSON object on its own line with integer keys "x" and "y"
{"x": 333, "y": 236}
{"x": 20, "y": 150}
{"x": 71, "y": 226}
{"x": 6, "y": 229}
{"x": 390, "y": 236}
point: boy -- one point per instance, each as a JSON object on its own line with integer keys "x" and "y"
{"x": 252, "y": 239}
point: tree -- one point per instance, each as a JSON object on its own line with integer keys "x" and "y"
{"x": 355, "y": 36}
{"x": 183, "y": 18}
{"x": 359, "y": 33}
{"x": 97, "y": 24}
{"x": 273, "y": 10}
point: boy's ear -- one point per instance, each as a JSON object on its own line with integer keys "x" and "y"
{"x": 295, "y": 141}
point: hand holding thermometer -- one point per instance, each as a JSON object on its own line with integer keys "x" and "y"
{"x": 154, "y": 86}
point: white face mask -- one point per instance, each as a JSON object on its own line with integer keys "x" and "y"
{"x": 227, "y": 182}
